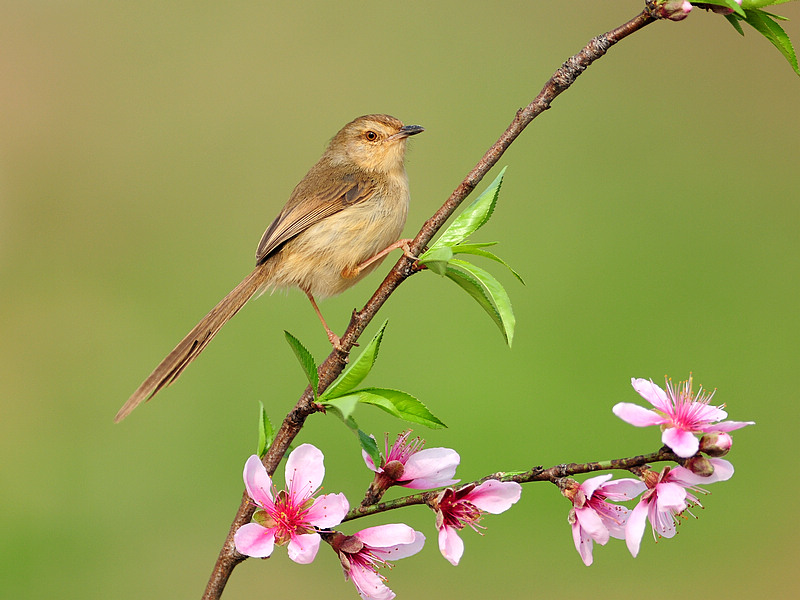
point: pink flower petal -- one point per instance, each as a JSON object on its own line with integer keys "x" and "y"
{"x": 637, "y": 415}
{"x": 494, "y": 496}
{"x": 450, "y": 545}
{"x": 369, "y": 462}
{"x": 670, "y": 496}
{"x": 592, "y": 524}
{"x": 254, "y": 540}
{"x": 623, "y": 489}
{"x": 328, "y": 510}
{"x": 634, "y": 530}
{"x": 662, "y": 520}
{"x": 302, "y": 549}
{"x": 386, "y": 536}
{"x": 726, "y": 426}
{"x": 430, "y": 468}
{"x": 369, "y": 584}
{"x": 401, "y": 549}
{"x": 257, "y": 482}
{"x": 683, "y": 443}
{"x": 652, "y": 393}
{"x": 591, "y": 484}
{"x": 723, "y": 470}
{"x": 583, "y": 544}
{"x": 705, "y": 412}
{"x": 392, "y": 542}
{"x": 305, "y": 470}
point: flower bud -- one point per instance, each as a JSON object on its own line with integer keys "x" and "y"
{"x": 674, "y": 10}
{"x": 700, "y": 465}
{"x": 716, "y": 444}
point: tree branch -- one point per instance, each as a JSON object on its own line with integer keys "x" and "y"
{"x": 561, "y": 80}
{"x": 551, "y": 474}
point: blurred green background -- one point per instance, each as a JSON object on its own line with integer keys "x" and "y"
{"x": 145, "y": 146}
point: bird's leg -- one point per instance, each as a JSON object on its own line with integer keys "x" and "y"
{"x": 401, "y": 244}
{"x": 334, "y": 339}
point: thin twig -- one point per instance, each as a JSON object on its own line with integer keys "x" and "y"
{"x": 551, "y": 474}
{"x": 562, "y": 79}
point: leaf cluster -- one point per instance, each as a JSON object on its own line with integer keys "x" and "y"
{"x": 343, "y": 395}
{"x": 477, "y": 282}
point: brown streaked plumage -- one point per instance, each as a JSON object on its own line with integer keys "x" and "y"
{"x": 340, "y": 221}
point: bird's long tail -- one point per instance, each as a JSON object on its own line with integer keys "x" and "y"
{"x": 192, "y": 345}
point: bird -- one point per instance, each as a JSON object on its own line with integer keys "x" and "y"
{"x": 339, "y": 223}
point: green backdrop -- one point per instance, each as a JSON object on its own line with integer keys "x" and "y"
{"x": 653, "y": 211}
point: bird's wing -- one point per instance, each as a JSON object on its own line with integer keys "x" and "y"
{"x": 306, "y": 209}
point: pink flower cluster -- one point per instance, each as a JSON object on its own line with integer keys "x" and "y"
{"x": 406, "y": 464}
{"x": 667, "y": 494}
{"x": 296, "y": 518}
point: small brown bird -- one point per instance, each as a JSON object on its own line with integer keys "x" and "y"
{"x": 341, "y": 220}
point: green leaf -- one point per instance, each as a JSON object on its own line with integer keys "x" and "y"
{"x": 357, "y": 370}
{"x": 765, "y": 23}
{"x": 734, "y": 6}
{"x": 436, "y": 258}
{"x": 401, "y": 405}
{"x": 734, "y": 20}
{"x": 762, "y": 3}
{"x": 266, "y": 432}
{"x": 306, "y": 361}
{"x": 489, "y": 293}
{"x": 477, "y": 250}
{"x": 343, "y": 406}
{"x": 473, "y": 217}
{"x": 370, "y": 446}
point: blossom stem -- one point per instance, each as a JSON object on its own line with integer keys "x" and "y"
{"x": 552, "y": 474}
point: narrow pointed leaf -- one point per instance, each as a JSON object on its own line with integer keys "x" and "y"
{"x": 476, "y": 250}
{"x": 357, "y": 370}
{"x": 765, "y": 24}
{"x": 762, "y": 3}
{"x": 306, "y": 361}
{"x": 370, "y": 446}
{"x": 474, "y": 216}
{"x": 266, "y": 432}
{"x": 401, "y": 405}
{"x": 734, "y": 20}
{"x": 734, "y": 6}
{"x": 489, "y": 293}
{"x": 475, "y": 289}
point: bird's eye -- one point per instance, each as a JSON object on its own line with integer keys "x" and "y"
{"x": 371, "y": 136}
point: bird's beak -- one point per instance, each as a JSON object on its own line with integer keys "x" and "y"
{"x": 408, "y": 130}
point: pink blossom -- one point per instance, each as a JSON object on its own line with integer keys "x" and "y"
{"x": 407, "y": 464}
{"x": 669, "y": 493}
{"x": 457, "y": 508}
{"x": 594, "y": 519}
{"x": 363, "y": 553}
{"x": 293, "y": 515}
{"x": 679, "y": 412}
